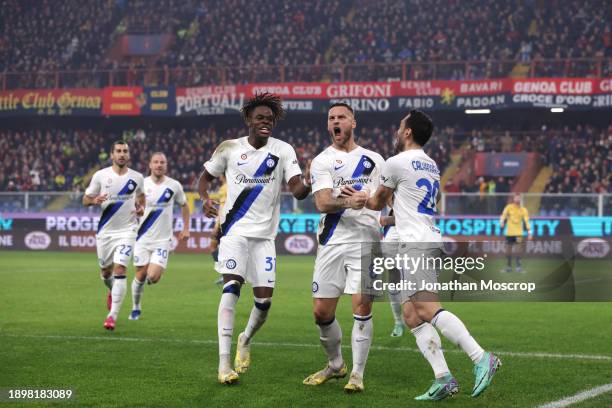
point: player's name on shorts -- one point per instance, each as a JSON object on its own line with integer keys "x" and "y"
{"x": 482, "y": 285}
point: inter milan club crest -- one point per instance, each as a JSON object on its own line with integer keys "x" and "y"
{"x": 367, "y": 164}
{"x": 270, "y": 163}
{"x": 243, "y": 156}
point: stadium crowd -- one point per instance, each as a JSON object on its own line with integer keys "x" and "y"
{"x": 581, "y": 159}
{"x": 50, "y": 160}
{"x": 58, "y": 160}
{"x": 291, "y": 34}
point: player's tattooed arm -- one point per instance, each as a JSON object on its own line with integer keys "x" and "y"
{"x": 209, "y": 207}
{"x": 94, "y": 200}
{"x": 379, "y": 199}
{"x": 327, "y": 203}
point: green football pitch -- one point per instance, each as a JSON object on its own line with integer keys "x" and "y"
{"x": 53, "y": 306}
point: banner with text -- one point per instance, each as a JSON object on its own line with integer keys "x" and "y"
{"x": 306, "y": 97}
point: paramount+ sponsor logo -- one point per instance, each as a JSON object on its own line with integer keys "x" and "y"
{"x": 37, "y": 240}
{"x": 593, "y": 248}
{"x": 299, "y": 244}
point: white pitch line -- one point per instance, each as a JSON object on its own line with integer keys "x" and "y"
{"x": 584, "y": 395}
{"x": 560, "y": 356}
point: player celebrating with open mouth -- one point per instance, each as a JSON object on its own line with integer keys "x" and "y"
{"x": 254, "y": 167}
{"x": 343, "y": 227}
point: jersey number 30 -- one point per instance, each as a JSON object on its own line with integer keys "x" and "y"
{"x": 428, "y": 205}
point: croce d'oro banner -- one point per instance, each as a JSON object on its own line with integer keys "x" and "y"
{"x": 315, "y": 97}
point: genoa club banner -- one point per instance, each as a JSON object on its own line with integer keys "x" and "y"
{"x": 51, "y": 102}
{"x": 309, "y": 97}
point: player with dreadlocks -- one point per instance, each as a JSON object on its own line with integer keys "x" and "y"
{"x": 254, "y": 167}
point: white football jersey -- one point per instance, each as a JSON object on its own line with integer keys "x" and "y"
{"x": 119, "y": 210}
{"x": 361, "y": 168}
{"x": 254, "y": 180}
{"x": 416, "y": 180}
{"x": 156, "y": 224}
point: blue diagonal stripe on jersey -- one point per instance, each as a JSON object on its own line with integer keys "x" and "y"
{"x": 111, "y": 209}
{"x": 267, "y": 166}
{"x": 166, "y": 196}
{"x": 329, "y": 226}
{"x": 148, "y": 222}
{"x": 108, "y": 212}
{"x": 243, "y": 202}
{"x": 247, "y": 197}
{"x": 129, "y": 187}
{"x": 364, "y": 167}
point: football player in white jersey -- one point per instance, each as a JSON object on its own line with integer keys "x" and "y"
{"x": 390, "y": 235}
{"x": 154, "y": 238}
{"x": 118, "y": 190}
{"x": 255, "y": 167}
{"x": 344, "y": 225}
{"x": 412, "y": 178}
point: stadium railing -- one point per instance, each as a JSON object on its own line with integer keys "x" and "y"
{"x": 198, "y": 75}
{"x": 554, "y": 205}
{"x": 539, "y": 204}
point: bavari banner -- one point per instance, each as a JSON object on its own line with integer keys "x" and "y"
{"x": 307, "y": 97}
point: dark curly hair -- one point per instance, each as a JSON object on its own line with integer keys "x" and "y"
{"x": 264, "y": 99}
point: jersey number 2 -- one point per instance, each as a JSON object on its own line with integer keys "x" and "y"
{"x": 428, "y": 205}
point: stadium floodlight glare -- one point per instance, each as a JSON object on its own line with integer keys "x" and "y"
{"x": 477, "y": 111}
{"x": 557, "y": 110}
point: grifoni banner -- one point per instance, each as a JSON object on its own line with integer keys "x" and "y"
{"x": 315, "y": 97}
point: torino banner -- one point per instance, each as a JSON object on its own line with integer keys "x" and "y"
{"x": 404, "y": 95}
{"x": 314, "y": 97}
